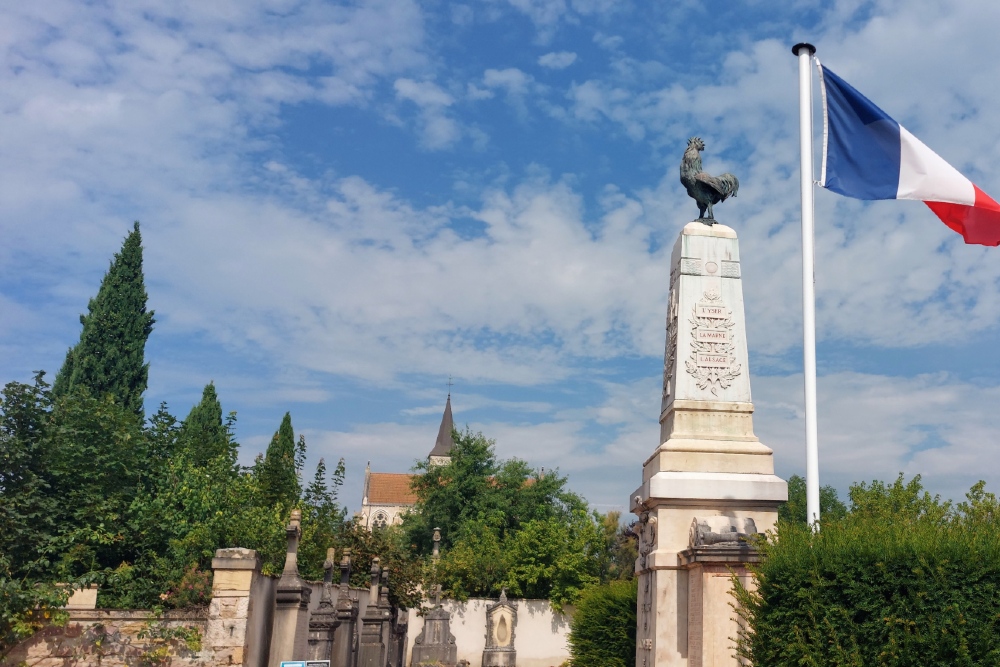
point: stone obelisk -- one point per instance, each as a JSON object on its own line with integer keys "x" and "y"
{"x": 710, "y": 482}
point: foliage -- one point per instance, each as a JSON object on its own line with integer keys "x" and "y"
{"x": 506, "y": 525}
{"x": 110, "y": 356}
{"x": 323, "y": 520}
{"x": 193, "y": 590}
{"x": 203, "y": 435}
{"x": 277, "y": 472}
{"x": 902, "y": 579}
{"x": 407, "y": 573}
{"x": 27, "y": 505}
{"x": 830, "y": 505}
{"x": 26, "y": 606}
{"x": 186, "y": 635}
{"x": 602, "y": 632}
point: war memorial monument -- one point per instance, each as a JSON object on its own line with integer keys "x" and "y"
{"x": 709, "y": 487}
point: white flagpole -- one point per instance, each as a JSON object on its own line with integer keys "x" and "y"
{"x": 805, "y": 52}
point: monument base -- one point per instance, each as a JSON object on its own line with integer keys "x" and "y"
{"x": 709, "y": 488}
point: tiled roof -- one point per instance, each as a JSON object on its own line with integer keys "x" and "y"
{"x": 390, "y": 488}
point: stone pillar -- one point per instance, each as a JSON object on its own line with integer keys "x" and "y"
{"x": 239, "y": 616}
{"x": 323, "y": 621}
{"x": 289, "y": 640}
{"x": 718, "y": 550}
{"x": 385, "y": 610}
{"x": 371, "y": 652}
{"x": 347, "y": 618}
{"x": 709, "y": 462}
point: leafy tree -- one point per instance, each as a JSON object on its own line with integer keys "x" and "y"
{"x": 475, "y": 486}
{"x": 830, "y": 505}
{"x": 277, "y": 471}
{"x": 506, "y": 525}
{"x": 408, "y": 574}
{"x": 110, "y": 356}
{"x": 27, "y": 506}
{"x": 203, "y": 434}
{"x": 97, "y": 454}
{"x": 323, "y": 519}
{"x": 26, "y": 606}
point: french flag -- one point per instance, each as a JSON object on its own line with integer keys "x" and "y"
{"x": 868, "y": 155}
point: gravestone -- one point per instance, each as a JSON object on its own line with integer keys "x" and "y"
{"x": 435, "y": 644}
{"x": 372, "y": 648}
{"x": 347, "y": 618}
{"x": 708, "y": 467}
{"x": 501, "y": 618}
{"x": 323, "y": 621}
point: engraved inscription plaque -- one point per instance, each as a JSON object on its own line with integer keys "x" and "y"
{"x": 713, "y": 361}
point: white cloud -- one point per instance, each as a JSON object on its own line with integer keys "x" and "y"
{"x": 172, "y": 114}
{"x": 439, "y": 130}
{"x": 516, "y": 84}
{"x": 557, "y": 59}
{"x": 422, "y": 93}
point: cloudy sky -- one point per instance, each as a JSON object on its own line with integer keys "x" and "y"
{"x": 344, "y": 204}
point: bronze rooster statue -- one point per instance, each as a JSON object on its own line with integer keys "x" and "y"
{"x": 704, "y": 189}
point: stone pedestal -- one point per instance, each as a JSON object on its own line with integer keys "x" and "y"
{"x": 709, "y": 463}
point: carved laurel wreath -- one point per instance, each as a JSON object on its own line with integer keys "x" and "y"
{"x": 712, "y": 378}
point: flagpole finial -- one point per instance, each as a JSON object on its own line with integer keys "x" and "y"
{"x": 804, "y": 45}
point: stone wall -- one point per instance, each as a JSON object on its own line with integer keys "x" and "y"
{"x": 112, "y": 639}
{"x": 541, "y": 636}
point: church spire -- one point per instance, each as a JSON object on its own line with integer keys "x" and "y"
{"x": 441, "y": 454}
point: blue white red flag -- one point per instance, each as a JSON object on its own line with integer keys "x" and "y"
{"x": 868, "y": 155}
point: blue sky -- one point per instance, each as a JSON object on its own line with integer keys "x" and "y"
{"x": 342, "y": 204}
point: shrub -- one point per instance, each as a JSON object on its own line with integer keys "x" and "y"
{"x": 602, "y": 633}
{"x": 193, "y": 590}
{"x": 903, "y": 579}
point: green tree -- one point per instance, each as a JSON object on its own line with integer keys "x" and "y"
{"x": 506, "y": 525}
{"x": 323, "y": 519}
{"x": 477, "y": 487}
{"x": 27, "y": 504}
{"x": 98, "y": 463}
{"x": 277, "y": 471}
{"x": 830, "y": 505}
{"x": 203, "y": 434}
{"x": 110, "y": 356}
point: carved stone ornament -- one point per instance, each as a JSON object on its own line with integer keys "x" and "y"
{"x": 671, "y": 354}
{"x": 713, "y": 359}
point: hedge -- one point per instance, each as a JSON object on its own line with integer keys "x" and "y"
{"x": 904, "y": 579}
{"x": 602, "y": 633}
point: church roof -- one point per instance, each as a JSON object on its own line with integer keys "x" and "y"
{"x": 444, "y": 442}
{"x": 390, "y": 488}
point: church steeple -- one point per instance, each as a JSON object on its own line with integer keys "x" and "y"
{"x": 441, "y": 454}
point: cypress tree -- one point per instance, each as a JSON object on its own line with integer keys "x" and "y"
{"x": 202, "y": 434}
{"x": 277, "y": 471}
{"x": 110, "y": 357}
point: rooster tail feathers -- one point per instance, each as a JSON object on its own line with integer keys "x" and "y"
{"x": 729, "y": 185}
